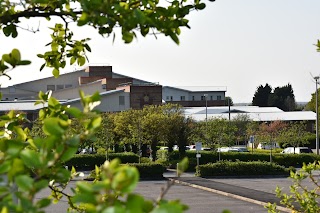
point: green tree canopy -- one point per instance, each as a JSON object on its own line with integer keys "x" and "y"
{"x": 261, "y": 96}
{"x": 281, "y": 97}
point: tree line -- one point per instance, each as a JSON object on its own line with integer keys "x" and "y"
{"x": 143, "y": 131}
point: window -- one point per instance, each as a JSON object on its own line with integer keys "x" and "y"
{"x": 182, "y": 98}
{"x": 219, "y": 97}
{"x": 60, "y": 86}
{"x": 121, "y": 100}
{"x": 168, "y": 97}
{"x": 67, "y": 85}
{"x": 104, "y": 86}
{"x": 51, "y": 87}
{"x": 203, "y": 98}
{"x": 211, "y": 98}
{"x": 171, "y": 98}
{"x": 193, "y": 97}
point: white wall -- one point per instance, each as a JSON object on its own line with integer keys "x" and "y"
{"x": 64, "y": 79}
{"x": 72, "y": 93}
{"x": 176, "y": 94}
{"x": 109, "y": 103}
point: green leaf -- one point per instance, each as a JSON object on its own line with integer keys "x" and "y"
{"x": 52, "y": 126}
{"x": 72, "y": 60}
{"x": 43, "y": 203}
{"x": 81, "y": 60}
{"x": 24, "y": 182}
{"x": 5, "y": 167}
{"x": 31, "y": 158}
{"x": 174, "y": 37}
{"x": 24, "y": 62}
{"x": 55, "y": 73}
{"x": 126, "y": 179}
{"x": 68, "y": 154}
{"x": 183, "y": 165}
{"x": 127, "y": 36}
{"x": 135, "y": 203}
{"x": 7, "y": 58}
{"x": 16, "y": 168}
{"x": 74, "y": 112}
{"x": 200, "y": 6}
{"x": 16, "y": 54}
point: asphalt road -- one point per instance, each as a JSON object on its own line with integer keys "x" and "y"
{"x": 198, "y": 200}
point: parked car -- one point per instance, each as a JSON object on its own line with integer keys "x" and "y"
{"x": 296, "y": 150}
{"x": 265, "y": 145}
{"x": 233, "y": 149}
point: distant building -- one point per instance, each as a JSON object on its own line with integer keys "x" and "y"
{"x": 118, "y": 92}
{"x": 254, "y": 113}
{"x": 194, "y": 96}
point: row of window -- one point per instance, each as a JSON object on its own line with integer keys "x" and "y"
{"x": 203, "y": 98}
{"x": 58, "y": 87}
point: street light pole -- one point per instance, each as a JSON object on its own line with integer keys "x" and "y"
{"x": 206, "y": 95}
{"x": 317, "y": 135}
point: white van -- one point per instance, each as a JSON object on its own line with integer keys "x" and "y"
{"x": 296, "y": 150}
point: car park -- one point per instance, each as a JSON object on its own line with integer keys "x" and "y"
{"x": 296, "y": 150}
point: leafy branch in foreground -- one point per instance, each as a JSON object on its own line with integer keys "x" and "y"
{"x": 36, "y": 163}
{"x": 131, "y": 16}
{"x": 301, "y": 198}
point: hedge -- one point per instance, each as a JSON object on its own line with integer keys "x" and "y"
{"x": 238, "y": 168}
{"x": 88, "y": 161}
{"x": 149, "y": 170}
{"x": 287, "y": 160}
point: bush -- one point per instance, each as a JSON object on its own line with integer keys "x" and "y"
{"x": 149, "y": 170}
{"x": 229, "y": 168}
{"x": 89, "y": 161}
{"x": 287, "y": 160}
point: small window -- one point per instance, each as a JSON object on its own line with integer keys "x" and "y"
{"x": 121, "y": 100}
{"x": 168, "y": 97}
{"x": 203, "y": 98}
{"x": 171, "y": 98}
{"x": 51, "y": 87}
{"x": 219, "y": 97}
{"x": 59, "y": 86}
{"x": 67, "y": 85}
{"x": 193, "y": 98}
{"x": 104, "y": 86}
{"x": 182, "y": 98}
{"x": 211, "y": 98}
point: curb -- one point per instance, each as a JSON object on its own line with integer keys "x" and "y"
{"x": 280, "y": 208}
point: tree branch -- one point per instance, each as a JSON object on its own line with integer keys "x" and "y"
{"x": 7, "y": 18}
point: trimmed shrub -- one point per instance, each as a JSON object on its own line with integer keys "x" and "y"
{"x": 287, "y": 160}
{"x": 229, "y": 168}
{"x": 88, "y": 161}
{"x": 149, "y": 170}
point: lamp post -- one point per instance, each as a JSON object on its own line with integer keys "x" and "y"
{"x": 316, "y": 78}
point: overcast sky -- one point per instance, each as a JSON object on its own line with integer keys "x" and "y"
{"x": 239, "y": 44}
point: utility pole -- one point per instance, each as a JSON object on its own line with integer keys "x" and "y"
{"x": 317, "y": 135}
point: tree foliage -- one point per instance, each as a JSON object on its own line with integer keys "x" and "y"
{"x": 301, "y": 198}
{"x": 281, "y": 97}
{"x": 294, "y": 134}
{"x": 261, "y": 96}
{"x": 270, "y": 133}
